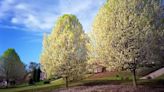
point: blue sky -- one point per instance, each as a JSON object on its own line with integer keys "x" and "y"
{"x": 23, "y": 22}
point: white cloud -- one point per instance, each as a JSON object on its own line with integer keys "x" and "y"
{"x": 41, "y": 16}
{"x": 5, "y": 6}
{"x": 21, "y": 6}
{"x": 74, "y": 7}
{"x": 14, "y": 20}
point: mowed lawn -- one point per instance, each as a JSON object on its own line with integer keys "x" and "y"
{"x": 38, "y": 87}
{"x": 108, "y": 78}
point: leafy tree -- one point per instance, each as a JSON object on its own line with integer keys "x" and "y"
{"x": 1, "y": 67}
{"x": 64, "y": 50}
{"x": 91, "y": 46}
{"x": 11, "y": 65}
{"x": 127, "y": 32}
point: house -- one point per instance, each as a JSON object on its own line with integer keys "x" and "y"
{"x": 96, "y": 67}
{"x": 42, "y": 76}
{"x": 99, "y": 69}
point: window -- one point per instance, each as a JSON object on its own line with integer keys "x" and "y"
{"x": 162, "y": 2}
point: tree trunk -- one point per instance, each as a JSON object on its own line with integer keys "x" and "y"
{"x": 134, "y": 78}
{"x": 66, "y": 82}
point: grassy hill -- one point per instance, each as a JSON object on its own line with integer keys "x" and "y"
{"x": 106, "y": 78}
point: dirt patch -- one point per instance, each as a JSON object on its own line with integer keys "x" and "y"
{"x": 112, "y": 88}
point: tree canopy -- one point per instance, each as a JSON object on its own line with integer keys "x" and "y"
{"x": 64, "y": 49}
{"x": 11, "y": 65}
{"x": 127, "y": 33}
{"x": 124, "y": 32}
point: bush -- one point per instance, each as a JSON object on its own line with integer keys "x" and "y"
{"x": 121, "y": 78}
{"x": 117, "y": 76}
{"x": 57, "y": 77}
{"x": 31, "y": 82}
{"x": 126, "y": 78}
{"x": 149, "y": 77}
{"x": 46, "y": 82}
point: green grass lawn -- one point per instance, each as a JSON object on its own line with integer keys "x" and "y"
{"x": 37, "y": 87}
{"x": 60, "y": 83}
{"x": 116, "y": 78}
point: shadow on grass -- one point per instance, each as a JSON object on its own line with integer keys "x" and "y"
{"x": 22, "y": 85}
{"x": 104, "y": 82}
{"x": 14, "y": 86}
{"x": 43, "y": 89}
{"x": 151, "y": 83}
{"x": 155, "y": 82}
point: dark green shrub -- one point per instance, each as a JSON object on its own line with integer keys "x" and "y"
{"x": 149, "y": 77}
{"x": 31, "y": 82}
{"x": 117, "y": 76}
{"x": 126, "y": 78}
{"x": 46, "y": 82}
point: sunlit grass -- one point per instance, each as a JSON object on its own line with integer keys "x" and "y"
{"x": 37, "y": 87}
